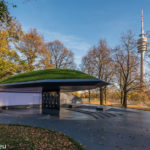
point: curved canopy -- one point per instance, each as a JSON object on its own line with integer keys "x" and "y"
{"x": 53, "y": 79}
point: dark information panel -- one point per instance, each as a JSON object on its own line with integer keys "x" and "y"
{"x": 51, "y": 102}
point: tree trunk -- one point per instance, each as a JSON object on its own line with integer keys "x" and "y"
{"x": 121, "y": 90}
{"x": 125, "y": 99}
{"x": 105, "y": 94}
{"x": 101, "y": 95}
{"x": 121, "y": 97}
{"x": 89, "y": 96}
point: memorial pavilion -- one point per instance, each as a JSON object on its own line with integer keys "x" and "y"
{"x": 44, "y": 87}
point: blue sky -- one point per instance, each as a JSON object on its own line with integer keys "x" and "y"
{"x": 80, "y": 24}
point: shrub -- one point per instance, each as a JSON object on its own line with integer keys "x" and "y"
{"x": 138, "y": 97}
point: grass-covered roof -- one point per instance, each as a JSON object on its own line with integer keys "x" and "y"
{"x": 46, "y": 75}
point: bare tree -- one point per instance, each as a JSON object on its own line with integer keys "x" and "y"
{"x": 61, "y": 57}
{"x": 127, "y": 64}
{"x": 104, "y": 65}
{"x": 88, "y": 67}
{"x": 99, "y": 64}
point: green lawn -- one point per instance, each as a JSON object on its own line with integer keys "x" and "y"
{"x": 17, "y": 137}
{"x": 47, "y": 74}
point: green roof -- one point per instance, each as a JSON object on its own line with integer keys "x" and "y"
{"x": 46, "y": 75}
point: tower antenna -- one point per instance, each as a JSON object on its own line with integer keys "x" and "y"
{"x": 142, "y": 25}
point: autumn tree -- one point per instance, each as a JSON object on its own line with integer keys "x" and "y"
{"x": 45, "y": 59}
{"x": 7, "y": 57}
{"x": 87, "y": 67}
{"x": 61, "y": 57}
{"x": 103, "y": 65}
{"x": 33, "y": 50}
{"x": 10, "y": 33}
{"x": 4, "y": 12}
{"x": 127, "y": 64}
{"x": 99, "y": 64}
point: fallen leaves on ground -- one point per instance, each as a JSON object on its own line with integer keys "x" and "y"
{"x": 28, "y": 138}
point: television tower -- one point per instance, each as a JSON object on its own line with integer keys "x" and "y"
{"x": 142, "y": 48}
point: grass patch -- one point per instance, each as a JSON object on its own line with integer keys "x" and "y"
{"x": 47, "y": 74}
{"x": 19, "y": 137}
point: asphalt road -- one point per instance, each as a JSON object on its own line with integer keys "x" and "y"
{"x": 115, "y": 129}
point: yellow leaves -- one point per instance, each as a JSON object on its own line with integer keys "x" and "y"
{"x": 138, "y": 96}
{"x": 4, "y": 43}
{"x": 9, "y": 58}
{"x": 34, "y": 50}
{"x": 77, "y": 94}
{"x": 15, "y": 31}
{"x": 33, "y": 39}
{"x": 6, "y": 68}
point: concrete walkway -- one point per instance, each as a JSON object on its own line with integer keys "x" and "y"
{"x": 128, "y": 131}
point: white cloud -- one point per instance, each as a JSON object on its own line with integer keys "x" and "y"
{"x": 69, "y": 41}
{"x": 77, "y": 45}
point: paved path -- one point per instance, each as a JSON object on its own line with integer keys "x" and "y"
{"x": 129, "y": 131}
